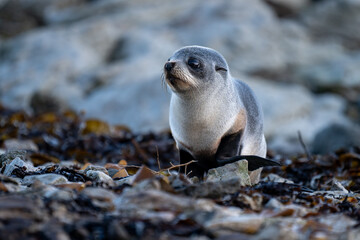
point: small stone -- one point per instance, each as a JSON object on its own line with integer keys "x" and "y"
{"x": 50, "y": 178}
{"x": 125, "y": 180}
{"x": 247, "y": 223}
{"x": 96, "y": 168}
{"x": 98, "y": 176}
{"x": 272, "y": 177}
{"x": 8, "y": 156}
{"x": 273, "y": 203}
{"x": 213, "y": 189}
{"x": 101, "y": 198}
{"x": 18, "y": 163}
{"x": 237, "y": 170}
{"x": 54, "y": 193}
{"x": 17, "y": 144}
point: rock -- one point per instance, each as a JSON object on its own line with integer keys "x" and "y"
{"x": 295, "y": 109}
{"x": 339, "y": 21}
{"x": 276, "y": 178}
{"x": 76, "y": 11}
{"x": 100, "y": 197}
{"x": 238, "y": 170}
{"x": 10, "y": 184}
{"x": 18, "y": 163}
{"x": 335, "y": 73}
{"x": 125, "y": 180}
{"x": 213, "y": 189}
{"x": 22, "y": 207}
{"x": 246, "y": 223}
{"x": 286, "y": 8}
{"x": 42, "y": 8}
{"x": 166, "y": 206}
{"x": 100, "y": 177}
{"x": 338, "y": 222}
{"x": 53, "y": 193}
{"x": 44, "y": 102}
{"x": 96, "y": 168}
{"x": 17, "y": 144}
{"x": 335, "y": 137}
{"x": 50, "y": 178}
{"x": 48, "y": 65}
{"x": 274, "y": 204}
{"x": 14, "y": 19}
{"x": 8, "y": 156}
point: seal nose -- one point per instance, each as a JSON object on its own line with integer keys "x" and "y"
{"x": 169, "y": 65}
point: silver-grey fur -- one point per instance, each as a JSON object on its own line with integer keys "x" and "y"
{"x": 212, "y": 114}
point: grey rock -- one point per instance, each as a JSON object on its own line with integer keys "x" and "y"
{"x": 17, "y": 144}
{"x": 49, "y": 65}
{"x": 339, "y": 20}
{"x": 289, "y": 108}
{"x": 18, "y": 163}
{"x": 335, "y": 137}
{"x": 100, "y": 197}
{"x": 11, "y": 184}
{"x": 39, "y": 9}
{"x": 125, "y": 180}
{"x": 147, "y": 203}
{"x": 60, "y": 15}
{"x": 148, "y": 112}
{"x": 291, "y": 6}
{"x": 342, "y": 71}
{"x": 100, "y": 177}
{"x": 213, "y": 189}
{"x": 274, "y": 204}
{"x": 272, "y": 177}
{"x": 51, "y": 192}
{"x": 3, "y": 2}
{"x": 50, "y": 178}
{"x": 96, "y": 168}
{"x": 8, "y": 156}
{"x": 43, "y": 102}
{"x": 237, "y": 170}
{"x": 247, "y": 223}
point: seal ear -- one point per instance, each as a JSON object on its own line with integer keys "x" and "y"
{"x": 218, "y": 68}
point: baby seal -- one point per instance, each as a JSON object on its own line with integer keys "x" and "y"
{"x": 214, "y": 118}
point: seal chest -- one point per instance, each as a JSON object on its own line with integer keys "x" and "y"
{"x": 212, "y": 115}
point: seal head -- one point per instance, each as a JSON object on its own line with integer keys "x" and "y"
{"x": 193, "y": 69}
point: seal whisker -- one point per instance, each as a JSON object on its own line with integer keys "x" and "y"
{"x": 163, "y": 83}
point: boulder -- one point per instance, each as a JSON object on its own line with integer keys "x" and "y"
{"x": 289, "y": 108}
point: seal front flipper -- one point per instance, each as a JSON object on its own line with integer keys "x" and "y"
{"x": 254, "y": 162}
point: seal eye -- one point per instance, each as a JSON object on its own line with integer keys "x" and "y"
{"x": 194, "y": 63}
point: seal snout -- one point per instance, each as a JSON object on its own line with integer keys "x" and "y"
{"x": 169, "y": 66}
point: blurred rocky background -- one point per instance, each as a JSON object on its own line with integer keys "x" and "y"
{"x": 105, "y": 57}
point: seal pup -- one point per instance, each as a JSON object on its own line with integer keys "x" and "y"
{"x": 214, "y": 118}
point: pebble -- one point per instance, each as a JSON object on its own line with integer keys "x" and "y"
{"x": 50, "y": 178}
{"x": 17, "y": 144}
{"x": 238, "y": 170}
{"x": 99, "y": 176}
{"x": 18, "y": 163}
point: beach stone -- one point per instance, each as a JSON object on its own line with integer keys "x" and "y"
{"x": 50, "y": 178}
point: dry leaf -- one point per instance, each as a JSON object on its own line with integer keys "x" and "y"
{"x": 121, "y": 173}
{"x": 143, "y": 173}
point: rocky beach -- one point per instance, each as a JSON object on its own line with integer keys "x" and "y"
{"x": 85, "y": 147}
